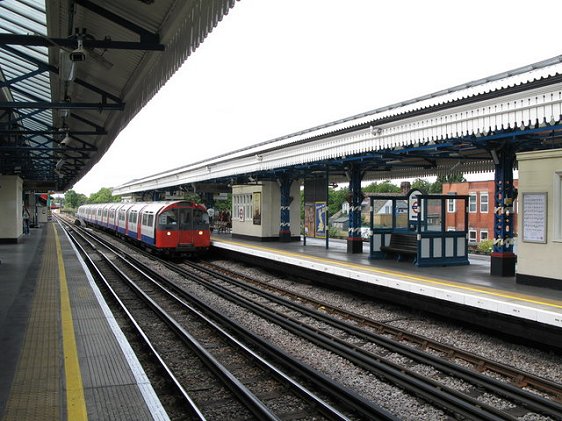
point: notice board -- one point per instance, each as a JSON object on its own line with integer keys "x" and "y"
{"x": 534, "y": 217}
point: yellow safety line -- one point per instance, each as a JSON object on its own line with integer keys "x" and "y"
{"x": 75, "y": 402}
{"x": 401, "y": 274}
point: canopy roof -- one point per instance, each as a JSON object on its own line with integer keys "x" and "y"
{"x": 73, "y": 73}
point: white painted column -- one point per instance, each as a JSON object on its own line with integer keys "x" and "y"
{"x": 11, "y": 207}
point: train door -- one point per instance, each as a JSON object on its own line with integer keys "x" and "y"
{"x": 185, "y": 225}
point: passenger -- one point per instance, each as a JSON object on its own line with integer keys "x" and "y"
{"x": 26, "y": 217}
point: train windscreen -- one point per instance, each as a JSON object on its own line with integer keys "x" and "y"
{"x": 168, "y": 220}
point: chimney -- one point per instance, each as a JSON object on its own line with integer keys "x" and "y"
{"x": 405, "y": 187}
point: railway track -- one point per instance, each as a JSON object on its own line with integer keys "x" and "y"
{"x": 478, "y": 363}
{"x": 367, "y": 344}
{"x": 368, "y": 349}
{"x": 217, "y": 375}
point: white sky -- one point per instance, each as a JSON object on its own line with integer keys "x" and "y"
{"x": 273, "y": 67}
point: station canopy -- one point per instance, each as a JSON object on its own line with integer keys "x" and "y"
{"x": 73, "y": 73}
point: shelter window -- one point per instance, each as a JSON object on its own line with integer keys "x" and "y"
{"x": 472, "y": 203}
{"x": 472, "y": 236}
{"x": 484, "y": 202}
{"x": 483, "y": 235}
{"x": 242, "y": 207}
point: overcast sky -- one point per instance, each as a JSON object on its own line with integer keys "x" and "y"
{"x": 273, "y": 67}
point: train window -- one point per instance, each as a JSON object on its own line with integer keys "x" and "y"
{"x": 168, "y": 220}
{"x": 133, "y": 217}
{"x": 200, "y": 219}
{"x": 148, "y": 219}
{"x": 186, "y": 218}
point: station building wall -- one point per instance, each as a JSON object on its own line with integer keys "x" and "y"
{"x": 538, "y": 261}
{"x": 256, "y": 211}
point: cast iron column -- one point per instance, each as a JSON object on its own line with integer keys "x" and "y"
{"x": 285, "y": 226}
{"x": 503, "y": 259}
{"x": 354, "y": 240}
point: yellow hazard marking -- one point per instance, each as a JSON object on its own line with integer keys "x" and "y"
{"x": 75, "y": 402}
{"x": 405, "y": 276}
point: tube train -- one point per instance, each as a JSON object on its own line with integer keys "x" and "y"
{"x": 171, "y": 227}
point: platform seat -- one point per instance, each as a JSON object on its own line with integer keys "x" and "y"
{"x": 402, "y": 245}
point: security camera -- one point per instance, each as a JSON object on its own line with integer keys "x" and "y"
{"x": 79, "y": 54}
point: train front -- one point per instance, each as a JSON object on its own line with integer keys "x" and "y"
{"x": 183, "y": 228}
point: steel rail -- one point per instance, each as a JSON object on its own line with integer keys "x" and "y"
{"x": 527, "y": 399}
{"x": 325, "y": 408}
{"x": 430, "y": 390}
{"x": 258, "y": 408}
{"x": 139, "y": 331}
{"x": 520, "y": 377}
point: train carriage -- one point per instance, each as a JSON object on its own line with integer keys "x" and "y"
{"x": 170, "y": 227}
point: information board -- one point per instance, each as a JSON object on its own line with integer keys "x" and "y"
{"x": 534, "y": 217}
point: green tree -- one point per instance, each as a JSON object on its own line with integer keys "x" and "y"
{"x": 437, "y": 187}
{"x": 336, "y": 198}
{"x": 224, "y": 205}
{"x": 422, "y": 185}
{"x": 385, "y": 186}
{"x": 74, "y": 200}
{"x": 103, "y": 195}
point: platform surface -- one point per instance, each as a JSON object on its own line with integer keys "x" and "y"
{"x": 469, "y": 285}
{"x": 63, "y": 356}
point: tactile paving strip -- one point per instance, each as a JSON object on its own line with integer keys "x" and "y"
{"x": 36, "y": 392}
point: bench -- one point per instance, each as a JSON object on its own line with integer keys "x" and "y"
{"x": 403, "y": 245}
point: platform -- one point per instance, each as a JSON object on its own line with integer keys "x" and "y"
{"x": 63, "y": 355}
{"x": 456, "y": 287}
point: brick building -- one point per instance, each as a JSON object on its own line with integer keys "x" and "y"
{"x": 480, "y": 209}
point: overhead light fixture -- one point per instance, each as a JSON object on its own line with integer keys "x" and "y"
{"x": 59, "y": 164}
{"x": 80, "y": 53}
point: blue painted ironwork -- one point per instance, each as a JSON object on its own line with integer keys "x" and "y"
{"x": 354, "y": 240}
{"x": 285, "y": 182}
{"x": 503, "y": 259}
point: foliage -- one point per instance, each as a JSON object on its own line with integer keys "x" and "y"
{"x": 486, "y": 246}
{"x": 104, "y": 195}
{"x": 333, "y": 232}
{"x": 74, "y": 200}
{"x": 192, "y": 197}
{"x": 223, "y": 205}
{"x": 336, "y": 198}
{"x": 385, "y": 186}
{"x": 422, "y": 185}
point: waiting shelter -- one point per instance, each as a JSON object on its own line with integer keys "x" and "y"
{"x": 419, "y": 227}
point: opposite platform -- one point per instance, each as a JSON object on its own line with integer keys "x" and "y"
{"x": 64, "y": 356}
{"x": 468, "y": 286}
